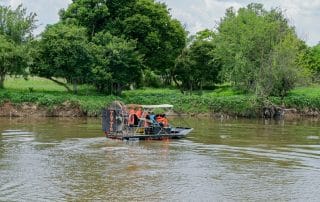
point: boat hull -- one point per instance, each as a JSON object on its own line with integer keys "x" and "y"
{"x": 175, "y": 133}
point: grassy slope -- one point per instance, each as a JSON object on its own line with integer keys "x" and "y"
{"x": 47, "y": 93}
{"x": 224, "y": 99}
{"x": 304, "y": 98}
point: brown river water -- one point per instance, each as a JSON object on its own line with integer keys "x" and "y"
{"x": 53, "y": 159}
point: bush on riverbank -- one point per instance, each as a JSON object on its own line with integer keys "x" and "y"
{"x": 223, "y": 100}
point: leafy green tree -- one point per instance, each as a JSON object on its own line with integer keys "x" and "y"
{"x": 12, "y": 59}
{"x": 310, "y": 59}
{"x": 198, "y": 64}
{"x": 116, "y": 63}
{"x": 92, "y": 14}
{"x": 62, "y": 52}
{"x": 16, "y": 24}
{"x": 16, "y": 28}
{"x": 247, "y": 43}
{"x": 281, "y": 71}
{"x": 159, "y": 37}
{"x": 183, "y": 71}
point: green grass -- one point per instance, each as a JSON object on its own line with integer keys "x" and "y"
{"x": 304, "y": 98}
{"x": 224, "y": 99}
{"x": 32, "y": 84}
{"x": 47, "y": 93}
{"x": 310, "y": 91}
{"x": 37, "y": 84}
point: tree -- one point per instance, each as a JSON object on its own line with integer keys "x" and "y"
{"x": 247, "y": 43}
{"x": 310, "y": 60}
{"x": 159, "y": 37}
{"x": 183, "y": 71}
{"x": 92, "y": 14}
{"x": 16, "y": 24}
{"x": 198, "y": 64}
{"x": 281, "y": 71}
{"x": 116, "y": 63}
{"x": 16, "y": 28}
{"x": 62, "y": 52}
{"x": 12, "y": 59}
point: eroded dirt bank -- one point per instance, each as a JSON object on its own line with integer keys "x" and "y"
{"x": 9, "y": 109}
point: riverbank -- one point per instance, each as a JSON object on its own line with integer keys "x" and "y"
{"x": 38, "y": 97}
{"x": 9, "y": 109}
{"x": 22, "y": 104}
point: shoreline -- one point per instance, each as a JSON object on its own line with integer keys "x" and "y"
{"x": 8, "y": 109}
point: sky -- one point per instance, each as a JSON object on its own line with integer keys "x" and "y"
{"x": 197, "y": 15}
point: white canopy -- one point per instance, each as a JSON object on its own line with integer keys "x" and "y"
{"x": 164, "y": 106}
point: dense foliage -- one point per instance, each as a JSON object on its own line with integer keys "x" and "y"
{"x": 259, "y": 50}
{"x": 159, "y": 37}
{"x": 198, "y": 63}
{"x": 16, "y": 28}
{"x": 310, "y": 59}
{"x": 116, "y": 64}
{"x": 16, "y": 24}
{"x": 12, "y": 59}
{"x": 62, "y": 52}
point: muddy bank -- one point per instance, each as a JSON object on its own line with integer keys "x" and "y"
{"x": 9, "y": 109}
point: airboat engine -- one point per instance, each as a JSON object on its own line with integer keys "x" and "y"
{"x": 114, "y": 118}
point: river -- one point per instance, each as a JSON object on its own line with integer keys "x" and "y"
{"x": 59, "y": 159}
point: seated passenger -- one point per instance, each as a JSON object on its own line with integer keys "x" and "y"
{"x": 148, "y": 121}
{"x": 139, "y": 112}
{"x": 162, "y": 120}
{"x": 133, "y": 118}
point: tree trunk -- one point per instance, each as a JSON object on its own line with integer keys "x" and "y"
{"x": 168, "y": 80}
{"x": 2, "y": 78}
{"x": 60, "y": 83}
{"x": 177, "y": 83}
{"x": 118, "y": 89}
{"x": 75, "y": 86}
{"x": 190, "y": 87}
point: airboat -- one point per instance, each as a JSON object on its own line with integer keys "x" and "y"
{"x": 139, "y": 122}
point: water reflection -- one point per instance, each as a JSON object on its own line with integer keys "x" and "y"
{"x": 69, "y": 159}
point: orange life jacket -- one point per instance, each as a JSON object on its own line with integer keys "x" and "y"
{"x": 131, "y": 117}
{"x": 163, "y": 120}
{"x": 139, "y": 113}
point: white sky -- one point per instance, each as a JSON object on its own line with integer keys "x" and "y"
{"x": 200, "y": 14}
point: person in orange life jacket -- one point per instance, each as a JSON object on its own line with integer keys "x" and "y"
{"x": 139, "y": 112}
{"x": 162, "y": 120}
{"x": 132, "y": 117}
